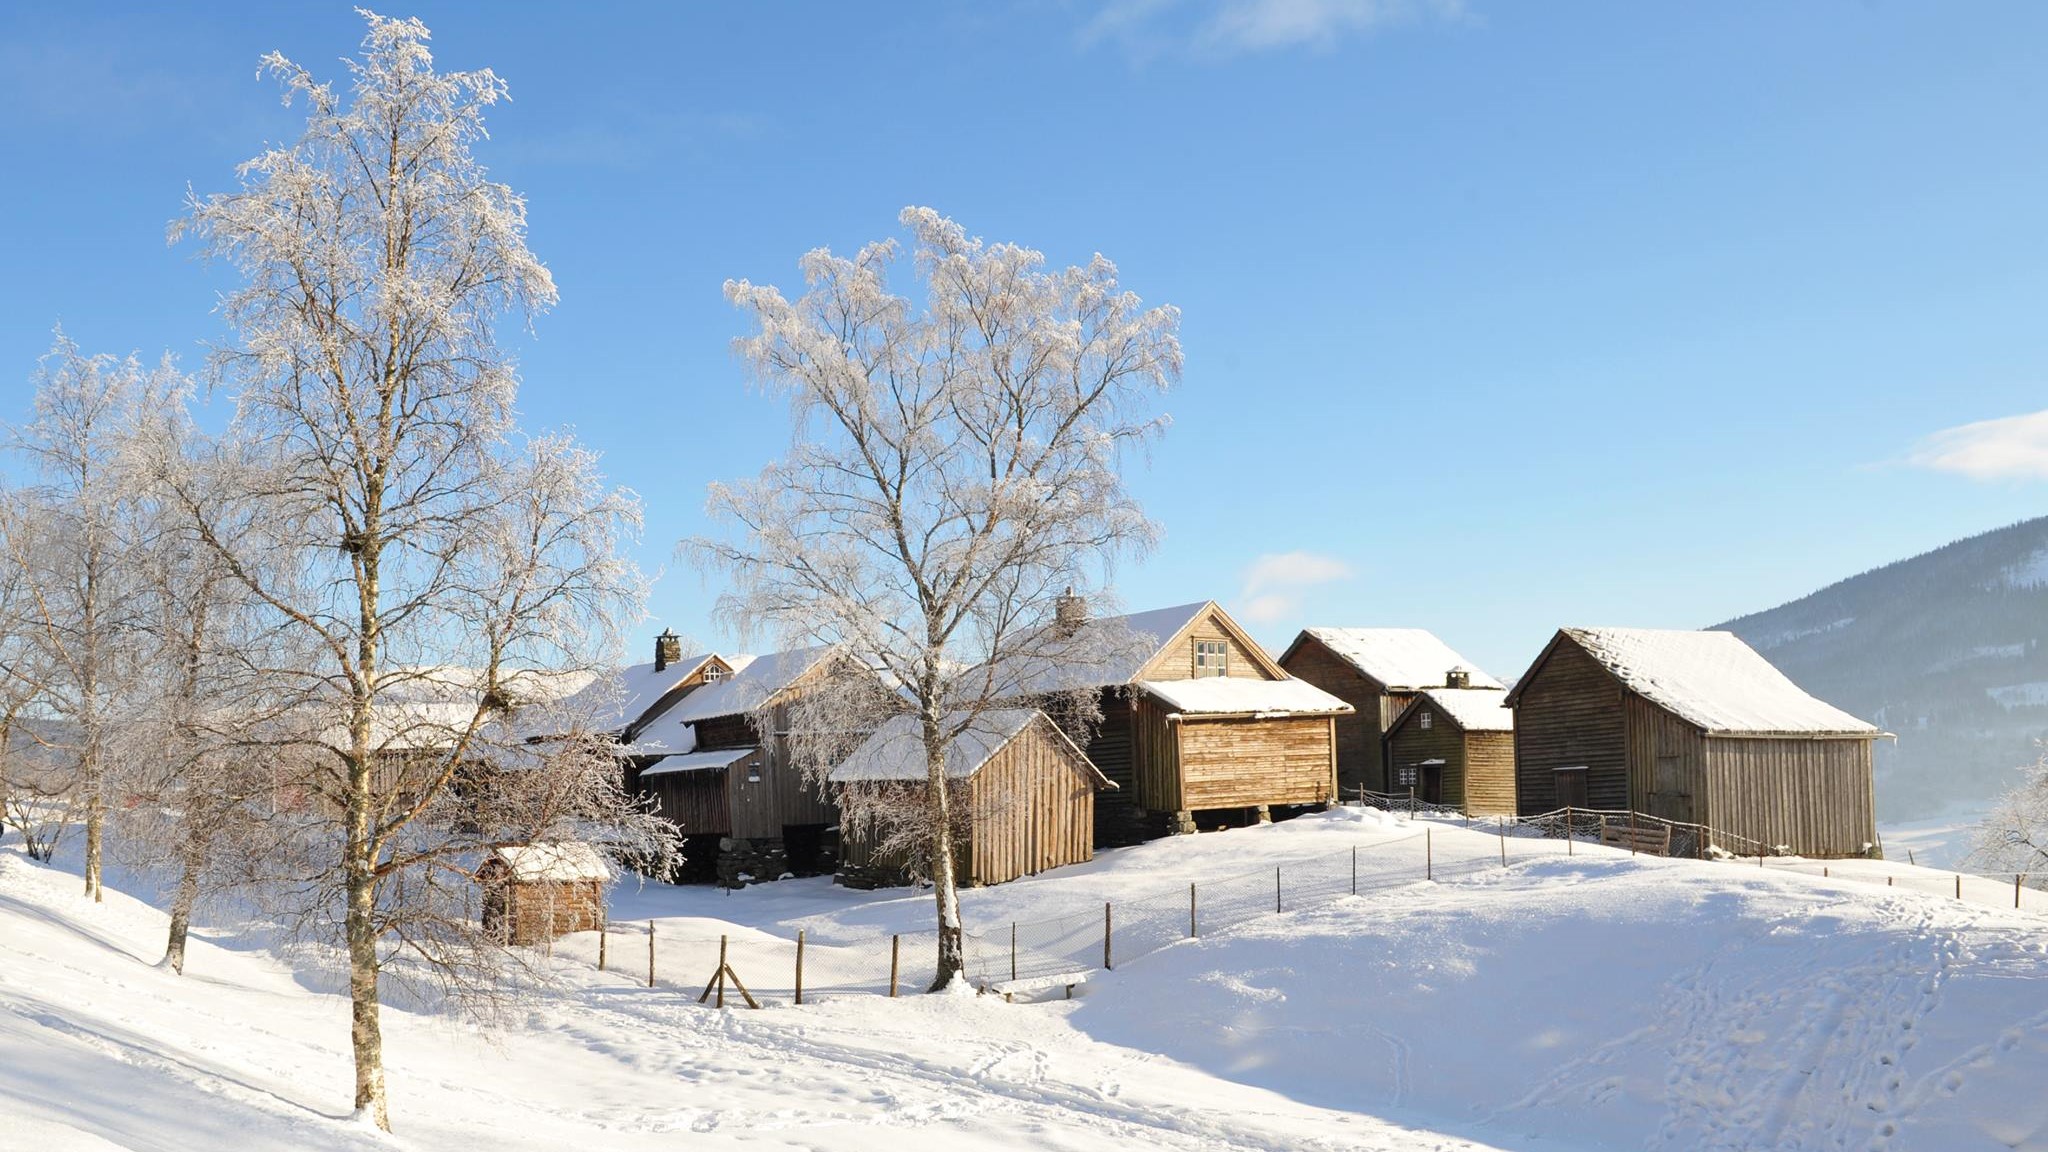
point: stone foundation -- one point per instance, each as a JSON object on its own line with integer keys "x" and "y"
{"x": 744, "y": 862}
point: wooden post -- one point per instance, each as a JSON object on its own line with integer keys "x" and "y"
{"x": 1631, "y": 831}
{"x": 604, "y": 929}
{"x": 1567, "y": 829}
{"x": 799, "y": 965}
{"x": 895, "y": 951}
{"x": 1428, "y": 857}
{"x": 1503, "y": 841}
{"x": 1411, "y": 801}
{"x": 1354, "y": 869}
{"x": 1013, "y": 949}
{"x": 1823, "y": 871}
{"x": 650, "y": 953}
{"x": 1276, "y": 888}
{"x": 1191, "y": 909}
{"x": 1888, "y": 880}
{"x": 721, "y": 973}
{"x": 1959, "y": 885}
{"x": 1909, "y": 858}
{"x": 1106, "y": 956}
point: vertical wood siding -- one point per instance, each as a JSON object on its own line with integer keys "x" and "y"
{"x": 1034, "y": 809}
{"x": 1570, "y": 714}
{"x": 1358, "y": 735}
{"x": 1240, "y": 763}
{"x": 1177, "y": 660}
{"x": 1409, "y": 744}
{"x": 1155, "y": 764}
{"x": 1813, "y": 796}
{"x": 1667, "y": 763}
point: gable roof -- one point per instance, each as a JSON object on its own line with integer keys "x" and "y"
{"x": 1152, "y": 633}
{"x": 896, "y": 750}
{"x": 561, "y": 861}
{"x": 1243, "y": 696}
{"x": 1398, "y": 658}
{"x": 1471, "y": 709}
{"x": 1709, "y": 679}
{"x": 752, "y": 684}
{"x": 619, "y": 702}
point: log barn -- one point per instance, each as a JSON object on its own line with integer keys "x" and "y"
{"x": 1456, "y": 747}
{"x": 1379, "y": 672}
{"x": 536, "y": 892}
{"x": 717, "y": 763}
{"x": 1197, "y": 718}
{"x": 1026, "y": 791}
{"x": 1693, "y": 727}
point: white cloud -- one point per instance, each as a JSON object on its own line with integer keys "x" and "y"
{"x": 1274, "y": 583}
{"x": 1228, "y": 27}
{"x": 2009, "y": 448}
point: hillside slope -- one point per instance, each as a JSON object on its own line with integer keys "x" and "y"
{"x": 1591, "y": 1002}
{"x": 1944, "y": 649}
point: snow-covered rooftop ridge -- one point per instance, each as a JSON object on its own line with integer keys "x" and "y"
{"x": 1399, "y": 657}
{"x": 613, "y": 703}
{"x": 896, "y": 751}
{"x": 1106, "y": 651}
{"x": 753, "y": 683}
{"x": 1473, "y": 709}
{"x": 698, "y": 761}
{"x": 1244, "y": 696}
{"x": 562, "y": 861}
{"x": 1714, "y": 680}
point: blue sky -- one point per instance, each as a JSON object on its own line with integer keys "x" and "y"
{"x": 1497, "y": 317}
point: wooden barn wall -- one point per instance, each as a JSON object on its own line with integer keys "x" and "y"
{"x": 1570, "y": 714}
{"x": 1490, "y": 773}
{"x": 1410, "y": 744}
{"x": 735, "y": 731}
{"x": 1240, "y": 763}
{"x": 1033, "y": 808}
{"x": 1813, "y": 796}
{"x": 1155, "y": 761}
{"x": 782, "y": 796}
{"x": 1667, "y": 763}
{"x": 695, "y": 802}
{"x": 1177, "y": 661}
{"x": 1358, "y": 735}
{"x": 857, "y": 848}
{"x": 1118, "y": 819}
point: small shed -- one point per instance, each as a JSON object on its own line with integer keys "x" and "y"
{"x": 536, "y": 892}
{"x": 1692, "y": 727}
{"x": 1456, "y": 746}
{"x": 1027, "y": 790}
{"x": 1379, "y": 672}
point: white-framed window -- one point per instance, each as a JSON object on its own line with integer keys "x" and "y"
{"x": 1212, "y": 658}
{"x": 713, "y": 672}
{"x": 1405, "y": 776}
{"x": 1427, "y": 721}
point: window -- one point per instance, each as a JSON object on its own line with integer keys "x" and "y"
{"x": 1404, "y": 776}
{"x": 1427, "y": 719}
{"x": 1212, "y": 658}
{"x": 713, "y": 672}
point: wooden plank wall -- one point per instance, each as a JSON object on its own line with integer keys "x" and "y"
{"x": 1241, "y": 763}
{"x": 1410, "y": 744}
{"x": 1155, "y": 762}
{"x": 1570, "y": 714}
{"x": 1177, "y": 661}
{"x": 1814, "y": 796}
{"x": 1667, "y": 763}
{"x": 694, "y": 802}
{"x": 1034, "y": 809}
{"x": 1118, "y": 819}
{"x": 1490, "y": 773}
{"x": 1358, "y": 735}
{"x": 782, "y": 796}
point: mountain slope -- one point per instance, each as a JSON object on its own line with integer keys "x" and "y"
{"x": 1944, "y": 649}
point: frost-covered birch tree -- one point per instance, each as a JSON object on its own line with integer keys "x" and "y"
{"x": 70, "y": 538}
{"x": 2013, "y": 836}
{"x": 447, "y": 571}
{"x": 956, "y": 469}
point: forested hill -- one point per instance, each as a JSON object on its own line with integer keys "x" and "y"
{"x": 1944, "y": 649}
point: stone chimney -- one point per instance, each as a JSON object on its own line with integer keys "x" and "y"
{"x": 668, "y": 649}
{"x": 1459, "y": 677}
{"x": 1069, "y": 613}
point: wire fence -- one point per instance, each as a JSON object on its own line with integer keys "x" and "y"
{"x": 1026, "y": 956}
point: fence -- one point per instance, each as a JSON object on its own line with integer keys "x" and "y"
{"x": 1020, "y": 953}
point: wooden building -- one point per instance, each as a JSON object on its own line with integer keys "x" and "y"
{"x": 537, "y": 892}
{"x": 1379, "y": 672}
{"x": 620, "y": 705}
{"x": 1692, "y": 727}
{"x": 1456, "y": 747}
{"x": 1028, "y": 792}
{"x": 1197, "y": 718}
{"x": 717, "y": 763}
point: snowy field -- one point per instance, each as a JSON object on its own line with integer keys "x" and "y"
{"x": 1585, "y": 1002}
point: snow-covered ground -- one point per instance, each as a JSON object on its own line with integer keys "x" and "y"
{"x": 1591, "y": 1001}
{"x": 1940, "y": 841}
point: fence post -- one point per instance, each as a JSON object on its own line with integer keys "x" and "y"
{"x": 1411, "y": 801}
{"x": 1354, "y": 869}
{"x": 1823, "y": 871}
{"x": 1631, "y": 831}
{"x": 1567, "y": 829}
{"x": 721, "y": 973}
{"x": 604, "y": 929}
{"x": 1959, "y": 885}
{"x": 1276, "y": 888}
{"x": 1428, "y": 857}
{"x": 650, "y": 953}
{"x": 1503, "y": 841}
{"x": 1013, "y": 949}
{"x": 1106, "y": 954}
{"x": 799, "y": 965}
{"x": 895, "y": 953}
{"x": 1191, "y": 910}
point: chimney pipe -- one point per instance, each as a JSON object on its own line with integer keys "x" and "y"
{"x": 668, "y": 649}
{"x": 1070, "y": 612}
{"x": 1459, "y": 677}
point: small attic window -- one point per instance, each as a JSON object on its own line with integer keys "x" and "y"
{"x": 713, "y": 672}
{"x": 1428, "y": 721}
{"x": 1212, "y": 658}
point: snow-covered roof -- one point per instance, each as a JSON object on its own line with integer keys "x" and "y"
{"x": 754, "y": 681}
{"x": 1105, "y": 651}
{"x": 1473, "y": 709}
{"x": 614, "y": 703}
{"x": 1398, "y": 657}
{"x": 698, "y": 761}
{"x": 896, "y": 751}
{"x": 1241, "y": 695}
{"x": 560, "y": 861}
{"x": 1713, "y": 680}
